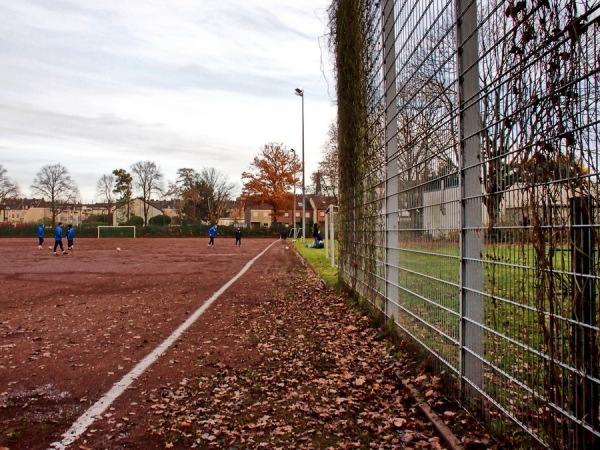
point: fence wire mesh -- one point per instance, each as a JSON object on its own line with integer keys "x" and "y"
{"x": 469, "y": 195}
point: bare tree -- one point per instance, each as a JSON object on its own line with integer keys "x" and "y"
{"x": 499, "y": 135}
{"x": 427, "y": 129}
{"x": 327, "y": 178}
{"x": 105, "y": 189}
{"x": 186, "y": 178}
{"x": 8, "y": 188}
{"x": 54, "y": 182}
{"x": 186, "y": 188}
{"x": 149, "y": 181}
{"x": 204, "y": 195}
{"x": 220, "y": 191}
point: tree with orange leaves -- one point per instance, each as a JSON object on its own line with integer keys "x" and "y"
{"x": 271, "y": 177}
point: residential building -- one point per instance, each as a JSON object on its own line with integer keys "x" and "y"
{"x": 35, "y": 210}
{"x": 258, "y": 216}
{"x": 315, "y": 210}
{"x": 170, "y": 208}
{"x": 136, "y": 208}
{"x": 318, "y": 208}
{"x": 234, "y": 214}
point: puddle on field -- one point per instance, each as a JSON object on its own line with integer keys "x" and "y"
{"x": 45, "y": 392}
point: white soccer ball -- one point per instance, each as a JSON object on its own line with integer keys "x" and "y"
{"x": 286, "y": 247}
{"x": 118, "y": 249}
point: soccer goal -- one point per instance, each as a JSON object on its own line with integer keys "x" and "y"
{"x": 111, "y": 231}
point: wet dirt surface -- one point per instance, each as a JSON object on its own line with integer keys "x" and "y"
{"x": 277, "y": 361}
{"x": 72, "y": 325}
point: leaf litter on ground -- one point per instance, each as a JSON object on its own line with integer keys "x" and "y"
{"x": 323, "y": 380}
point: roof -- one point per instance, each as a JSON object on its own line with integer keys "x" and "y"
{"x": 259, "y": 206}
{"x": 25, "y": 203}
{"x": 321, "y": 201}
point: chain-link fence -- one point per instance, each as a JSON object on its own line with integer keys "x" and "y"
{"x": 469, "y": 195}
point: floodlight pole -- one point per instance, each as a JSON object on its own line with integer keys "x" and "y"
{"x": 294, "y": 222}
{"x": 300, "y": 93}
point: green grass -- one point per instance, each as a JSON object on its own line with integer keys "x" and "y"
{"x": 509, "y": 274}
{"x": 519, "y": 297}
{"x": 317, "y": 260}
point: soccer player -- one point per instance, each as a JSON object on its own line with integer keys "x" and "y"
{"x": 58, "y": 238}
{"x": 212, "y": 232}
{"x": 40, "y": 234}
{"x": 70, "y": 236}
{"x": 238, "y": 237}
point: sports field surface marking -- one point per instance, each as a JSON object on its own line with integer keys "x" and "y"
{"x": 97, "y": 409}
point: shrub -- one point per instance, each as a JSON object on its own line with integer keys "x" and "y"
{"x": 160, "y": 220}
{"x": 135, "y": 221}
{"x": 99, "y": 218}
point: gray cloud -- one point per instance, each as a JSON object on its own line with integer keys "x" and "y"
{"x": 101, "y": 85}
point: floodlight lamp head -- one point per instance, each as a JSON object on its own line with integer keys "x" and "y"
{"x": 299, "y": 91}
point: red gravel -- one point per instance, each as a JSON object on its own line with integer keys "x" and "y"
{"x": 278, "y": 361}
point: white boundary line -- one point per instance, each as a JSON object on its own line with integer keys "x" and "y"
{"x": 87, "y": 418}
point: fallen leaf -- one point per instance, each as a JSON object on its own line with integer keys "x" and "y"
{"x": 399, "y": 422}
{"x": 420, "y": 378}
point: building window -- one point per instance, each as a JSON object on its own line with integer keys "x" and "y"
{"x": 265, "y": 214}
{"x": 255, "y": 213}
{"x": 287, "y": 215}
{"x": 322, "y": 213}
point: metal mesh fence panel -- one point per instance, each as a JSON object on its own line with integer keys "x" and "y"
{"x": 469, "y": 196}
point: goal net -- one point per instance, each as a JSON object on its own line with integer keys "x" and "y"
{"x": 121, "y": 231}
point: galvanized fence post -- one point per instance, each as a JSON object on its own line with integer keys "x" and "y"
{"x": 471, "y": 236}
{"x": 391, "y": 145}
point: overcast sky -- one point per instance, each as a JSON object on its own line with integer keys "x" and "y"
{"x": 100, "y": 85}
